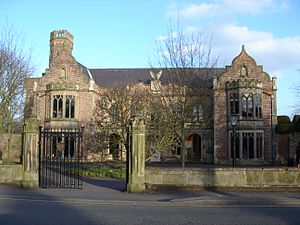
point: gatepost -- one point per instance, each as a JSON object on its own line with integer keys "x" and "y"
{"x": 136, "y": 156}
{"x": 31, "y": 153}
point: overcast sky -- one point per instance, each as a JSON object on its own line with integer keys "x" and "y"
{"x": 122, "y": 34}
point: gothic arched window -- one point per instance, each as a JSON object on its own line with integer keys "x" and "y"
{"x": 258, "y": 106}
{"x": 247, "y": 105}
{"x": 234, "y": 103}
{"x": 70, "y": 106}
{"x": 57, "y": 106}
{"x": 63, "y": 106}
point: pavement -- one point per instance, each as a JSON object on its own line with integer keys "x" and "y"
{"x": 111, "y": 191}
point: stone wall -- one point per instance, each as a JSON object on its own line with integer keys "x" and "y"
{"x": 14, "y": 175}
{"x": 222, "y": 178}
{"x": 15, "y": 147}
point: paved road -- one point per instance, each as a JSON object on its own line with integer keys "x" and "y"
{"x": 49, "y": 212}
{"x": 103, "y": 202}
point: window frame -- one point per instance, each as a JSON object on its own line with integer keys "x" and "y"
{"x": 246, "y": 103}
{"x": 62, "y": 106}
{"x": 244, "y": 154}
{"x": 234, "y": 103}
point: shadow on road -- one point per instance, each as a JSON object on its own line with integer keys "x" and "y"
{"x": 110, "y": 183}
{"x": 36, "y": 207}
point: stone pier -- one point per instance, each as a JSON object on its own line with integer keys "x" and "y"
{"x": 136, "y": 156}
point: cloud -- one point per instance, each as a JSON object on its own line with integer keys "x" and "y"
{"x": 199, "y": 10}
{"x": 221, "y": 8}
{"x": 250, "y": 7}
{"x": 274, "y": 53}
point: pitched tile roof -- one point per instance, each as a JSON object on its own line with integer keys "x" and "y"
{"x": 115, "y": 77}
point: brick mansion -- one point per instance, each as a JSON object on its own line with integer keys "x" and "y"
{"x": 65, "y": 96}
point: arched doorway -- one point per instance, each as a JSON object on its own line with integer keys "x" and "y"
{"x": 193, "y": 144}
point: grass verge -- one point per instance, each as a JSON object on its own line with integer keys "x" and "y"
{"x": 103, "y": 171}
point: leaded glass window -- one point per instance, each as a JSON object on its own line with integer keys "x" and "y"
{"x": 70, "y": 106}
{"x": 248, "y": 145}
{"x": 57, "y": 106}
{"x": 197, "y": 114}
{"x": 258, "y": 106}
{"x": 247, "y": 105}
{"x": 234, "y": 103}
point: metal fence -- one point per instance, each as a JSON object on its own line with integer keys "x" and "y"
{"x": 60, "y": 158}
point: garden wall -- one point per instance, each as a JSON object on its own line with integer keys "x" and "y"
{"x": 14, "y": 175}
{"x": 223, "y": 178}
{"x": 15, "y": 147}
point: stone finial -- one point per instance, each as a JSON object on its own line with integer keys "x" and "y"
{"x": 274, "y": 79}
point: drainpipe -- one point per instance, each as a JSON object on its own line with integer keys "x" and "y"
{"x": 272, "y": 131}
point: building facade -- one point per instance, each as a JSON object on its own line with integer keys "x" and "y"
{"x": 245, "y": 88}
{"x": 66, "y": 95}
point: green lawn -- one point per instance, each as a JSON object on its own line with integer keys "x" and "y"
{"x": 103, "y": 171}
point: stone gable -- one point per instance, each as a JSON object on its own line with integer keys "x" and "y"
{"x": 243, "y": 76}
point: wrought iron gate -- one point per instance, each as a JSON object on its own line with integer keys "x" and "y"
{"x": 60, "y": 158}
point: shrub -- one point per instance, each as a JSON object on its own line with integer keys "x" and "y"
{"x": 296, "y": 122}
{"x": 284, "y": 125}
{"x": 283, "y": 120}
{"x": 284, "y": 128}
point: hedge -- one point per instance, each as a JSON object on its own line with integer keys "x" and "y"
{"x": 296, "y": 122}
{"x": 284, "y": 128}
{"x": 283, "y": 120}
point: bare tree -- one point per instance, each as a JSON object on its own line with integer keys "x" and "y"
{"x": 296, "y": 89}
{"x": 15, "y": 66}
{"x": 188, "y": 67}
{"x": 159, "y": 136}
{"x": 114, "y": 110}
